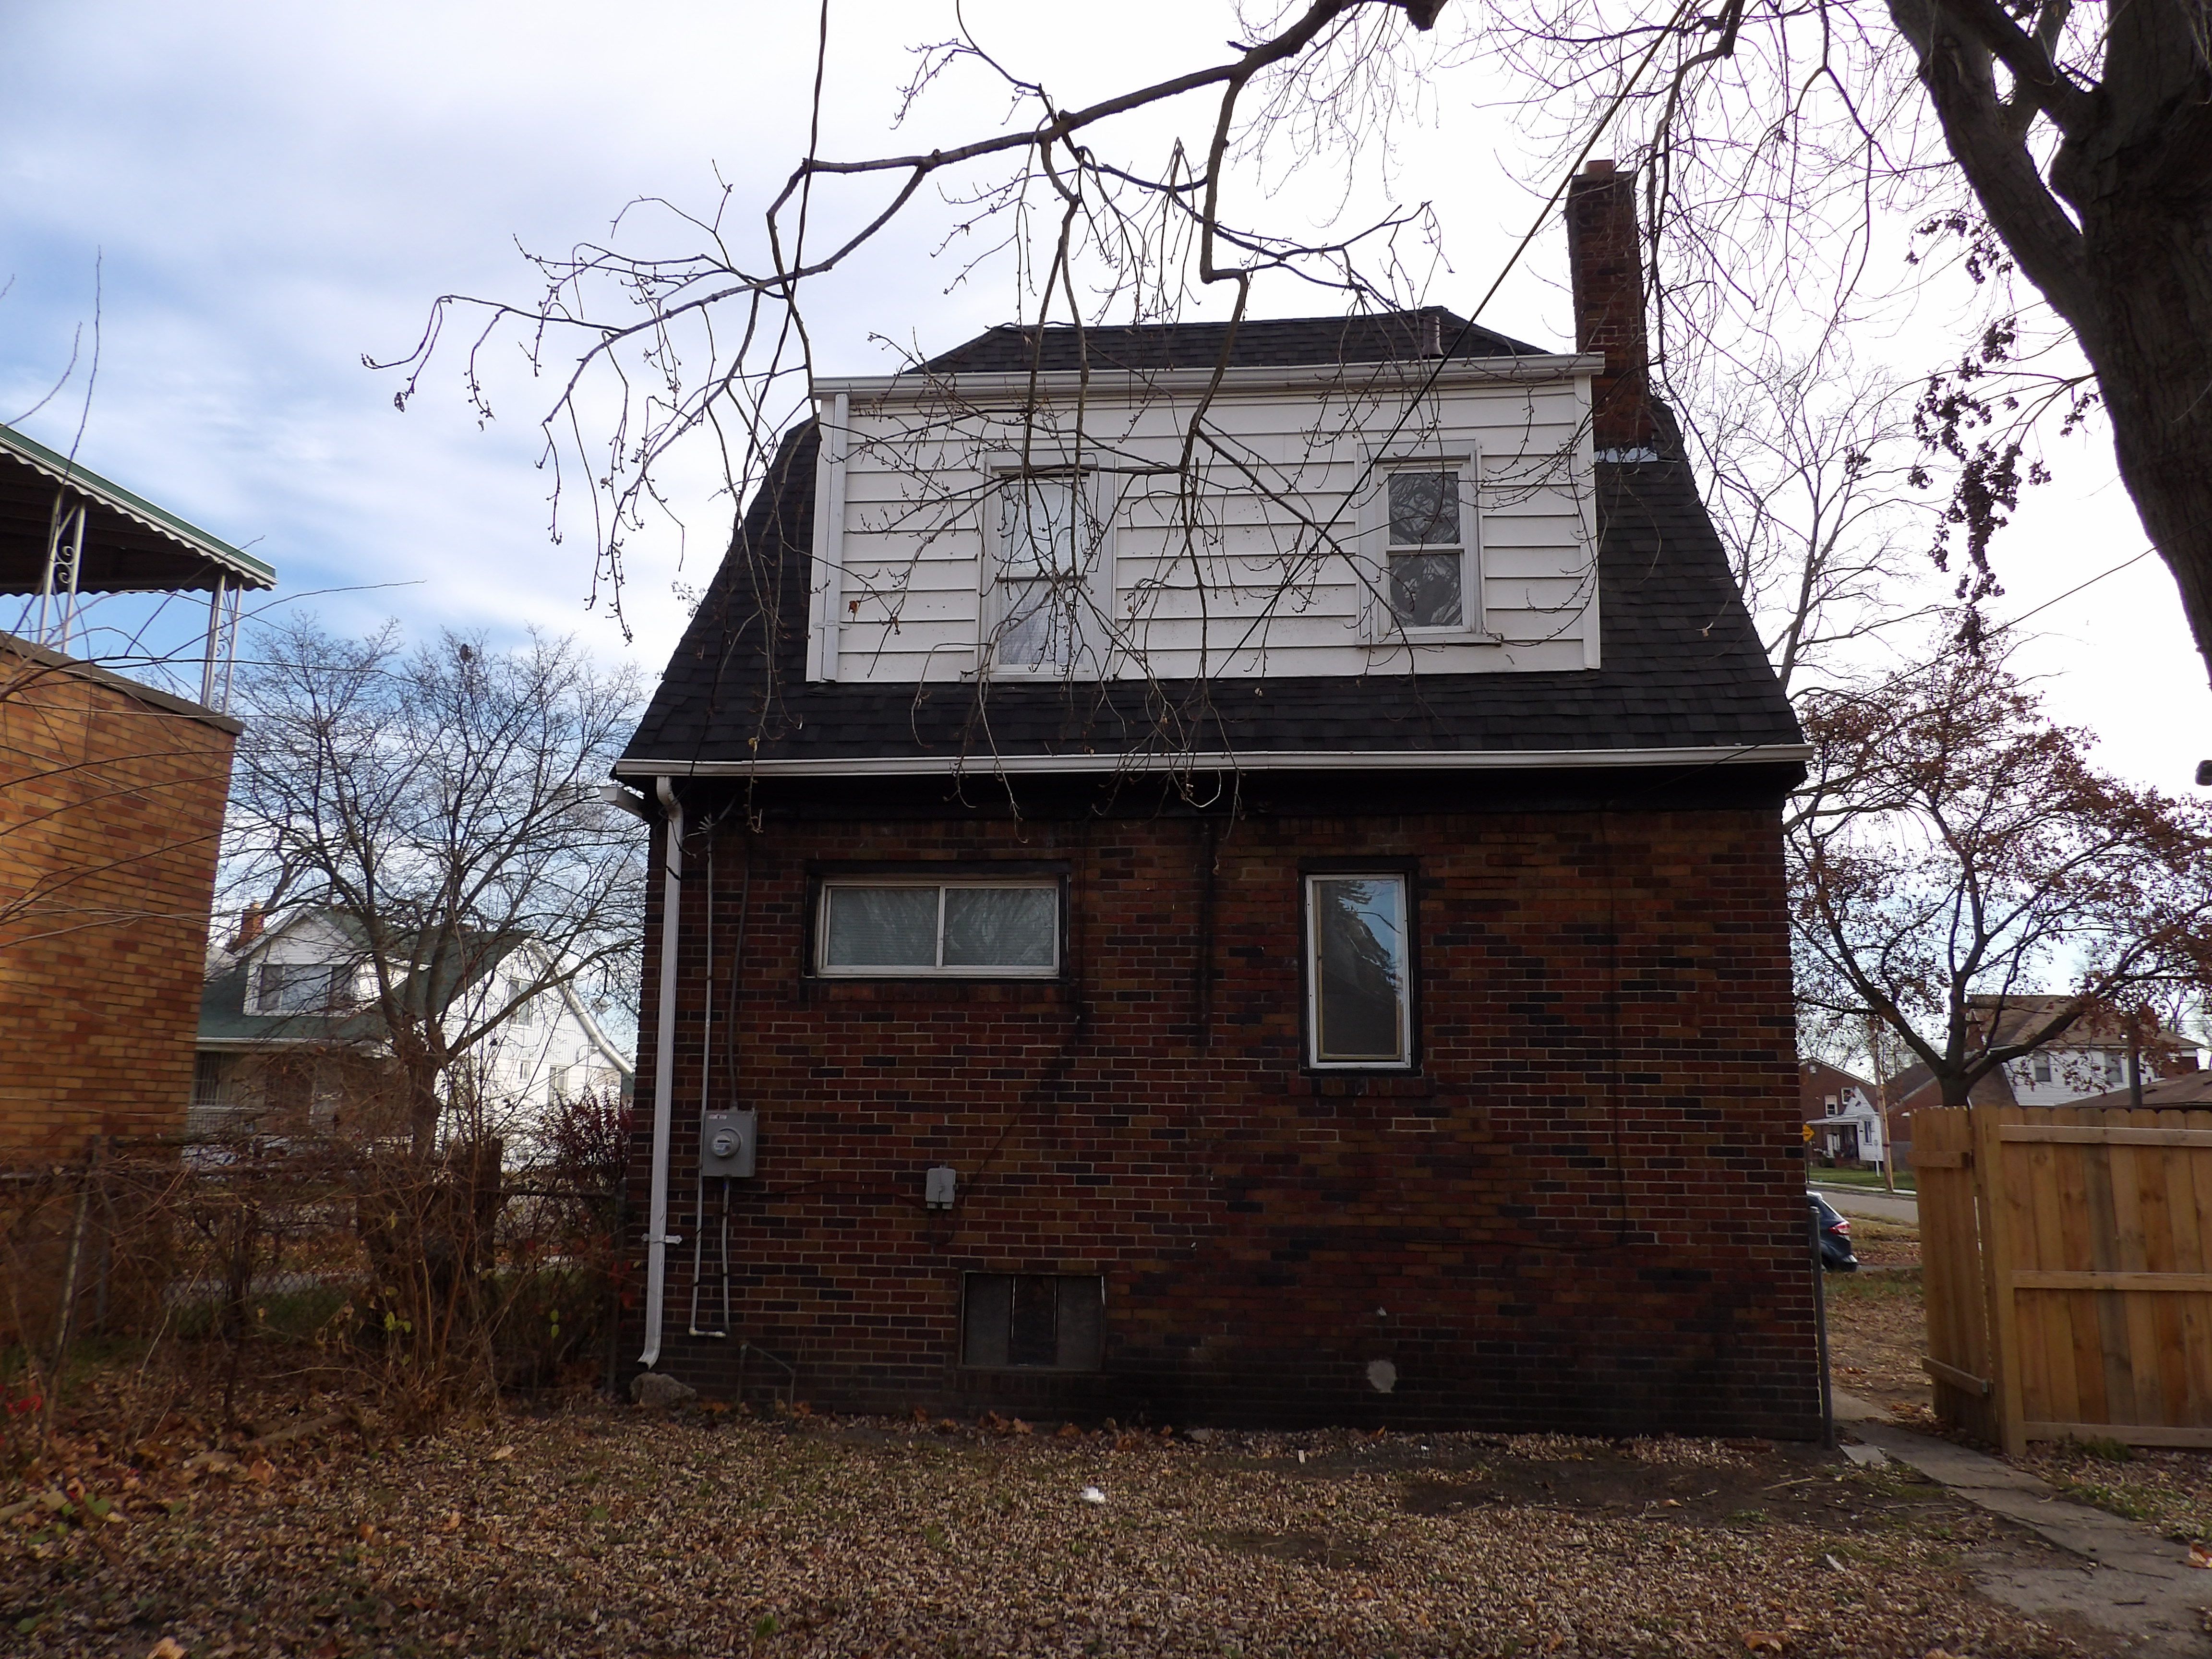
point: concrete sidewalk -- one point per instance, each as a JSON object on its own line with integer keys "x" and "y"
{"x": 2131, "y": 1581}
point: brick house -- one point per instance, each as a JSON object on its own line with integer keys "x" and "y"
{"x": 111, "y": 794}
{"x": 1300, "y": 943}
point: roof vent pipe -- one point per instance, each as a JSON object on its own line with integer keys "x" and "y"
{"x": 1605, "y": 256}
{"x": 656, "y": 1240}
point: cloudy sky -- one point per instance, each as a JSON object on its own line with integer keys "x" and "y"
{"x": 260, "y": 195}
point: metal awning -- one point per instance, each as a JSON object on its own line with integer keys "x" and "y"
{"x": 129, "y": 544}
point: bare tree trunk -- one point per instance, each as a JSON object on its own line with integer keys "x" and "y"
{"x": 2153, "y": 360}
{"x": 2118, "y": 238}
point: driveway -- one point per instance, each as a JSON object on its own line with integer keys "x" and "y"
{"x": 1880, "y": 1207}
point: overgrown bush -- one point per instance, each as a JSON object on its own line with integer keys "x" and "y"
{"x": 422, "y": 1285}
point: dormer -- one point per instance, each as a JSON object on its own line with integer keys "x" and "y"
{"x": 1404, "y": 493}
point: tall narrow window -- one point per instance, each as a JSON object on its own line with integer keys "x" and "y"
{"x": 1048, "y": 542}
{"x": 1428, "y": 555}
{"x": 1358, "y": 980}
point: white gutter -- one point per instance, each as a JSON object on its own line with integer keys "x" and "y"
{"x": 656, "y": 1240}
{"x": 1258, "y": 760}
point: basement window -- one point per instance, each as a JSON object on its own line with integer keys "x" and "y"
{"x": 1033, "y": 1322}
{"x": 967, "y": 928}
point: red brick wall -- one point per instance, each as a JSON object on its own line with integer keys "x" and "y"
{"x": 1605, "y": 260}
{"x": 1585, "y": 1212}
{"x": 111, "y": 803}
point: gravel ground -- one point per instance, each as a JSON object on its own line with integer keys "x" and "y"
{"x": 594, "y": 1530}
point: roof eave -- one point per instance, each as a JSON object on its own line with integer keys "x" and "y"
{"x": 1280, "y": 760}
{"x": 916, "y": 385}
{"x": 60, "y": 469}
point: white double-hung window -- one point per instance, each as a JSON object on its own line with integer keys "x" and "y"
{"x": 1039, "y": 614}
{"x": 1426, "y": 569}
{"x": 976, "y": 927}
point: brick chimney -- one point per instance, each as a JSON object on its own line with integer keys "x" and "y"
{"x": 249, "y": 927}
{"x": 1605, "y": 257}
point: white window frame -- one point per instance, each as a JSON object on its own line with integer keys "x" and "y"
{"x": 1096, "y": 499}
{"x": 1408, "y": 990}
{"x": 825, "y": 968}
{"x": 1379, "y": 611}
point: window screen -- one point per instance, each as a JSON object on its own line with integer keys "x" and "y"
{"x": 1428, "y": 563}
{"x": 1043, "y": 1321}
{"x": 1046, "y": 542}
{"x": 1357, "y": 982}
{"x": 910, "y": 927}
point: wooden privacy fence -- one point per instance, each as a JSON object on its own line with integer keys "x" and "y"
{"x": 2067, "y": 1255}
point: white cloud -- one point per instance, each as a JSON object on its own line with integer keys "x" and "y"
{"x": 275, "y": 190}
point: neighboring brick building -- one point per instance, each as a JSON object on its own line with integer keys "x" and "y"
{"x": 1386, "y": 1022}
{"x": 112, "y": 798}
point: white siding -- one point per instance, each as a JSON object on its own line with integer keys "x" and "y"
{"x": 1266, "y": 567}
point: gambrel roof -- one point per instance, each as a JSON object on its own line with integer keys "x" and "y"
{"x": 1684, "y": 678}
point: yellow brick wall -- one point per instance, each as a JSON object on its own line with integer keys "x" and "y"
{"x": 111, "y": 805}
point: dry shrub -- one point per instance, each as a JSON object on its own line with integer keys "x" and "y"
{"x": 418, "y": 1285}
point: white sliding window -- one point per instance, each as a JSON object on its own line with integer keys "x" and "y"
{"x": 971, "y": 929}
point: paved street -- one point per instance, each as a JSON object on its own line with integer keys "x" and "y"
{"x": 1880, "y": 1207}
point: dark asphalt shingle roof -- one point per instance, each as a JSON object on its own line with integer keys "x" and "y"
{"x": 1385, "y": 337}
{"x": 1682, "y": 664}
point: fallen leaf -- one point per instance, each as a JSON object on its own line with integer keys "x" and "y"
{"x": 167, "y": 1648}
{"x": 261, "y": 1471}
{"x": 453, "y": 1521}
{"x": 364, "y": 1531}
{"x": 2199, "y": 1556}
{"x": 1762, "y": 1641}
{"x": 503, "y": 1454}
{"x": 1093, "y": 1495}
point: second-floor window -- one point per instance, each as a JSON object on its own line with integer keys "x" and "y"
{"x": 1427, "y": 549}
{"x": 1048, "y": 542}
{"x": 296, "y": 987}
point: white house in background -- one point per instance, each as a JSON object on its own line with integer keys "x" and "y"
{"x": 2089, "y": 1059}
{"x": 288, "y": 1042}
{"x": 1841, "y": 1112}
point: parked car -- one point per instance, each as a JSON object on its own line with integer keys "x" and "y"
{"x": 1835, "y": 1253}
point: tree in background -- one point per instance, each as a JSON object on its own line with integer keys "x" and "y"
{"x": 441, "y": 807}
{"x": 1795, "y": 186}
{"x": 1953, "y": 843}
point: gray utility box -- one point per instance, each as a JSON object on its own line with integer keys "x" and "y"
{"x": 727, "y": 1141}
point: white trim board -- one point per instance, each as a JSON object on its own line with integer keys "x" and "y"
{"x": 1266, "y": 760}
{"x": 917, "y": 385}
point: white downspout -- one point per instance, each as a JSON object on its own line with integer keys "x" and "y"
{"x": 663, "y": 1079}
